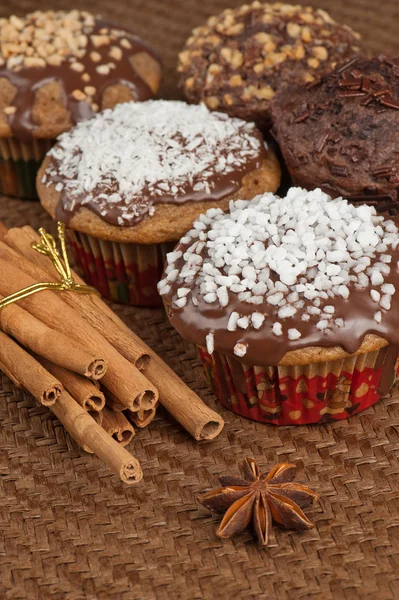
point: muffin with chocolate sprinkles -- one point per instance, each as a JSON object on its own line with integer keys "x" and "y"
{"x": 58, "y": 68}
{"x": 293, "y": 304}
{"x": 239, "y": 60}
{"x": 341, "y": 133}
{"x": 132, "y": 180}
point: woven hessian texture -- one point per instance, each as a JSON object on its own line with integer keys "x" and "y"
{"x": 71, "y": 531}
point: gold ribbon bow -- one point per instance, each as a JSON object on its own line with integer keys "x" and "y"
{"x": 48, "y": 247}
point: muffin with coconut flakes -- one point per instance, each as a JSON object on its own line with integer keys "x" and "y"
{"x": 132, "y": 180}
{"x": 293, "y": 304}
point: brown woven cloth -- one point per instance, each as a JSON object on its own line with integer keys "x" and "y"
{"x": 70, "y": 530}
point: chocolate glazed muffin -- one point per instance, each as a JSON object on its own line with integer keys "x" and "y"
{"x": 132, "y": 180}
{"x": 239, "y": 60}
{"x": 341, "y": 133}
{"x": 293, "y": 303}
{"x": 56, "y": 69}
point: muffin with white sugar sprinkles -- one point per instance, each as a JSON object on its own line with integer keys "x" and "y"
{"x": 58, "y": 68}
{"x": 293, "y": 304}
{"x": 132, "y": 180}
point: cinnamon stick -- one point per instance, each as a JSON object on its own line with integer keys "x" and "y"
{"x": 142, "y": 418}
{"x": 81, "y": 389}
{"x": 50, "y": 344}
{"x": 184, "y": 405}
{"x": 117, "y": 426}
{"x": 86, "y": 432}
{"x": 24, "y": 369}
{"x": 8, "y": 374}
{"x": 3, "y": 231}
{"x": 127, "y": 383}
{"x": 21, "y": 239}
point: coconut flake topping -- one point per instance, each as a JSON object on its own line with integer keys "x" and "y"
{"x": 293, "y": 254}
{"x": 129, "y": 156}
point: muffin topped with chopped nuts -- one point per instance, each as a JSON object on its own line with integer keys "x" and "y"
{"x": 59, "y": 68}
{"x": 286, "y": 297}
{"x": 240, "y": 59}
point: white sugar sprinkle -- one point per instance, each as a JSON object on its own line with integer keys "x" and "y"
{"x": 375, "y": 295}
{"x": 243, "y": 322}
{"x": 277, "y": 328}
{"x": 294, "y": 334}
{"x": 232, "y": 324}
{"x": 257, "y": 320}
{"x": 210, "y": 342}
{"x": 181, "y": 302}
{"x": 240, "y": 349}
{"x": 181, "y": 292}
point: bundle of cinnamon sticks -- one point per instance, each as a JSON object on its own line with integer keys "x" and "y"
{"x": 78, "y": 358}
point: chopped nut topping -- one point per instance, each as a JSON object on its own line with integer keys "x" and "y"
{"x": 42, "y": 38}
{"x": 263, "y": 37}
{"x": 100, "y": 40}
{"x": 293, "y": 30}
{"x": 126, "y": 44}
{"x": 115, "y": 52}
{"x": 212, "y": 102}
{"x": 86, "y": 77}
{"x": 34, "y": 62}
{"x": 214, "y": 69}
{"x": 307, "y": 17}
{"x": 299, "y": 52}
{"x": 228, "y": 99}
{"x": 95, "y": 56}
{"x": 320, "y": 52}
{"x": 103, "y": 69}
{"x": 89, "y": 90}
{"x": 78, "y": 95}
{"x": 55, "y": 60}
{"x": 313, "y": 62}
{"x": 306, "y": 35}
{"x": 234, "y": 57}
{"x": 235, "y": 80}
{"x": 10, "y": 110}
{"x": 77, "y": 66}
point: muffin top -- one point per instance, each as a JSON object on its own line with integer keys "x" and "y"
{"x": 58, "y": 68}
{"x": 125, "y": 161}
{"x": 341, "y": 134}
{"x": 290, "y": 280}
{"x": 239, "y": 59}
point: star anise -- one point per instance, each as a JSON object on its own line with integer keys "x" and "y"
{"x": 260, "y": 499}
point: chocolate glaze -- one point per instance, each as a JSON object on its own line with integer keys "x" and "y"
{"x": 221, "y": 186}
{"x": 264, "y": 348}
{"x": 29, "y": 79}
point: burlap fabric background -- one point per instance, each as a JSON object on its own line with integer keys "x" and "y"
{"x": 69, "y": 530}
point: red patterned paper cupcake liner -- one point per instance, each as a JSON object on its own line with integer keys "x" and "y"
{"x": 125, "y": 273}
{"x": 19, "y": 164}
{"x": 297, "y": 395}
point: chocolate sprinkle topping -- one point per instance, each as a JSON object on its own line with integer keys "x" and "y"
{"x": 354, "y": 108}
